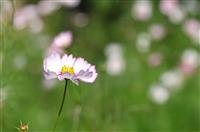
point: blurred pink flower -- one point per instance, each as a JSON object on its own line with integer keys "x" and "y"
{"x": 63, "y": 40}
{"x": 28, "y": 17}
{"x": 157, "y": 31}
{"x": 192, "y": 28}
{"x": 189, "y": 62}
{"x": 155, "y": 59}
{"x": 68, "y": 67}
{"x": 142, "y": 10}
{"x": 167, "y": 6}
{"x": 173, "y": 10}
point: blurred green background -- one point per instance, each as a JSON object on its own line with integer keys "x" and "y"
{"x": 112, "y": 103}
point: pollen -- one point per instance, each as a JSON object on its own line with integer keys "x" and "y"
{"x": 67, "y": 69}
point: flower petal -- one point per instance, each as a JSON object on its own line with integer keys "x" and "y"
{"x": 80, "y": 64}
{"x": 68, "y": 60}
{"x": 89, "y": 76}
{"x": 49, "y": 75}
{"x": 52, "y": 63}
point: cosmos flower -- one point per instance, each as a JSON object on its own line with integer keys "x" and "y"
{"x": 69, "y": 67}
{"x": 159, "y": 94}
{"x": 189, "y": 62}
{"x": 142, "y": 10}
{"x": 172, "y": 79}
{"x": 115, "y": 64}
{"x": 63, "y": 40}
{"x": 155, "y": 59}
{"x": 28, "y": 17}
{"x": 157, "y": 31}
{"x": 143, "y": 42}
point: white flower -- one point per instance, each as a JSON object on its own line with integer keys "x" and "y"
{"x": 142, "y": 10}
{"x": 69, "y": 3}
{"x": 115, "y": 61}
{"x": 143, "y": 42}
{"x": 172, "y": 79}
{"x": 159, "y": 94}
{"x": 68, "y": 67}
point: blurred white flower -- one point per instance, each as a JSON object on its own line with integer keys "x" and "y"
{"x": 20, "y": 62}
{"x": 159, "y": 94}
{"x": 113, "y": 50}
{"x": 28, "y": 17}
{"x": 80, "y": 19}
{"x": 142, "y": 10}
{"x": 69, "y": 3}
{"x": 192, "y": 27}
{"x": 177, "y": 15}
{"x": 155, "y": 59}
{"x": 114, "y": 66}
{"x": 173, "y": 10}
{"x": 172, "y": 79}
{"x": 143, "y": 42}
{"x": 46, "y": 7}
{"x": 69, "y": 67}
{"x": 189, "y": 61}
{"x": 115, "y": 62}
{"x": 5, "y": 10}
{"x": 157, "y": 31}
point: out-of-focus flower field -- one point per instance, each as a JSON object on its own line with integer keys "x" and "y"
{"x": 146, "y": 54}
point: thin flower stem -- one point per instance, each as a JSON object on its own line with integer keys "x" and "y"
{"x": 61, "y": 106}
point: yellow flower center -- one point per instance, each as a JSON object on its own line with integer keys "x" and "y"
{"x": 67, "y": 69}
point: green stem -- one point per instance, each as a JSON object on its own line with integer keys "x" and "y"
{"x": 61, "y": 106}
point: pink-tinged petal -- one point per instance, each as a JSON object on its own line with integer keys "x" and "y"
{"x": 52, "y": 63}
{"x": 80, "y": 64}
{"x": 68, "y": 60}
{"x": 89, "y": 76}
{"x": 49, "y": 75}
